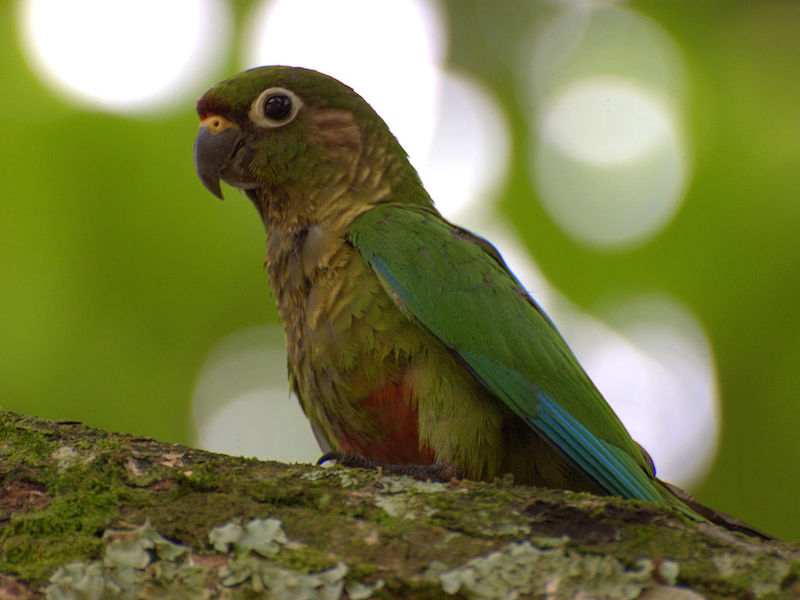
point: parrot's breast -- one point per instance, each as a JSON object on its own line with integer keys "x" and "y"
{"x": 351, "y": 352}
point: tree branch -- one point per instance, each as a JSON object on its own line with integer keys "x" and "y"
{"x": 86, "y": 513}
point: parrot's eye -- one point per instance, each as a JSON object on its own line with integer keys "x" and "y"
{"x": 275, "y": 107}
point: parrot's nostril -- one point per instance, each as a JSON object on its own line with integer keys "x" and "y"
{"x": 216, "y": 123}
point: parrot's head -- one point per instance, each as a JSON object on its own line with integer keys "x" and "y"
{"x": 290, "y": 136}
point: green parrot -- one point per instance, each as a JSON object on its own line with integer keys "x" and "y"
{"x": 411, "y": 345}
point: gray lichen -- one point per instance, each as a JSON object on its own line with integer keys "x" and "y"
{"x": 279, "y": 583}
{"x": 522, "y": 568}
{"x": 400, "y": 497}
{"x": 125, "y": 568}
{"x": 142, "y": 563}
{"x": 263, "y": 536}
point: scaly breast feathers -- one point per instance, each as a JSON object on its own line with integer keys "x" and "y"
{"x": 350, "y": 350}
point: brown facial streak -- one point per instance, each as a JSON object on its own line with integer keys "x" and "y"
{"x": 336, "y": 127}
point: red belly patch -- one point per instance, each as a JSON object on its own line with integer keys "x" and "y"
{"x": 397, "y": 442}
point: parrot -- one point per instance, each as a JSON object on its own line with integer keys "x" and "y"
{"x": 411, "y": 346}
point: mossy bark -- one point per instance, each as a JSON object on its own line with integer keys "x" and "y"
{"x": 335, "y": 532}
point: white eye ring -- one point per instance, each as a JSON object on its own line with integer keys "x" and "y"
{"x": 258, "y": 109}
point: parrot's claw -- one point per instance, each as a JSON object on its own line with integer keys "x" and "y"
{"x": 349, "y": 460}
{"x": 437, "y": 471}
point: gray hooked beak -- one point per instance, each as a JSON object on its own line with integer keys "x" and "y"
{"x": 213, "y": 148}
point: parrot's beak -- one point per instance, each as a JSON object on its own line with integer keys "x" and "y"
{"x": 219, "y": 153}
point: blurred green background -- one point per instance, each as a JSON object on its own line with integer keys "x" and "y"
{"x": 120, "y": 272}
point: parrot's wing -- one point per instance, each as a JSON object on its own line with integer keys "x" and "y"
{"x": 457, "y": 286}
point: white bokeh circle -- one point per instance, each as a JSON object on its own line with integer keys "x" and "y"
{"x": 241, "y": 403}
{"x": 603, "y": 86}
{"x": 125, "y": 55}
{"x": 605, "y": 121}
{"x": 390, "y": 52}
{"x": 609, "y": 163}
{"x": 469, "y": 153}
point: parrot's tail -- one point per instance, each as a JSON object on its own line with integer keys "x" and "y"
{"x": 714, "y": 516}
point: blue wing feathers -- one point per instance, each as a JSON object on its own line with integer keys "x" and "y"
{"x": 505, "y": 382}
{"x": 618, "y": 474}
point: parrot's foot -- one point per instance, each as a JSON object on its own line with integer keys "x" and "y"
{"x": 437, "y": 471}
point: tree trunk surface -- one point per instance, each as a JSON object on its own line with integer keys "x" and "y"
{"x": 91, "y": 514}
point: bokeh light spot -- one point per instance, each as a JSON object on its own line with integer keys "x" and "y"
{"x": 597, "y": 39}
{"x": 606, "y": 188}
{"x": 605, "y": 121}
{"x": 469, "y": 154}
{"x": 127, "y": 54}
{"x": 603, "y": 86}
{"x": 242, "y": 405}
{"x": 389, "y": 52}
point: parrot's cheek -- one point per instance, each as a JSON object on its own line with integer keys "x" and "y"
{"x": 236, "y": 171}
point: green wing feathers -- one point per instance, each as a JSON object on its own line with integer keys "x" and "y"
{"x": 457, "y": 287}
